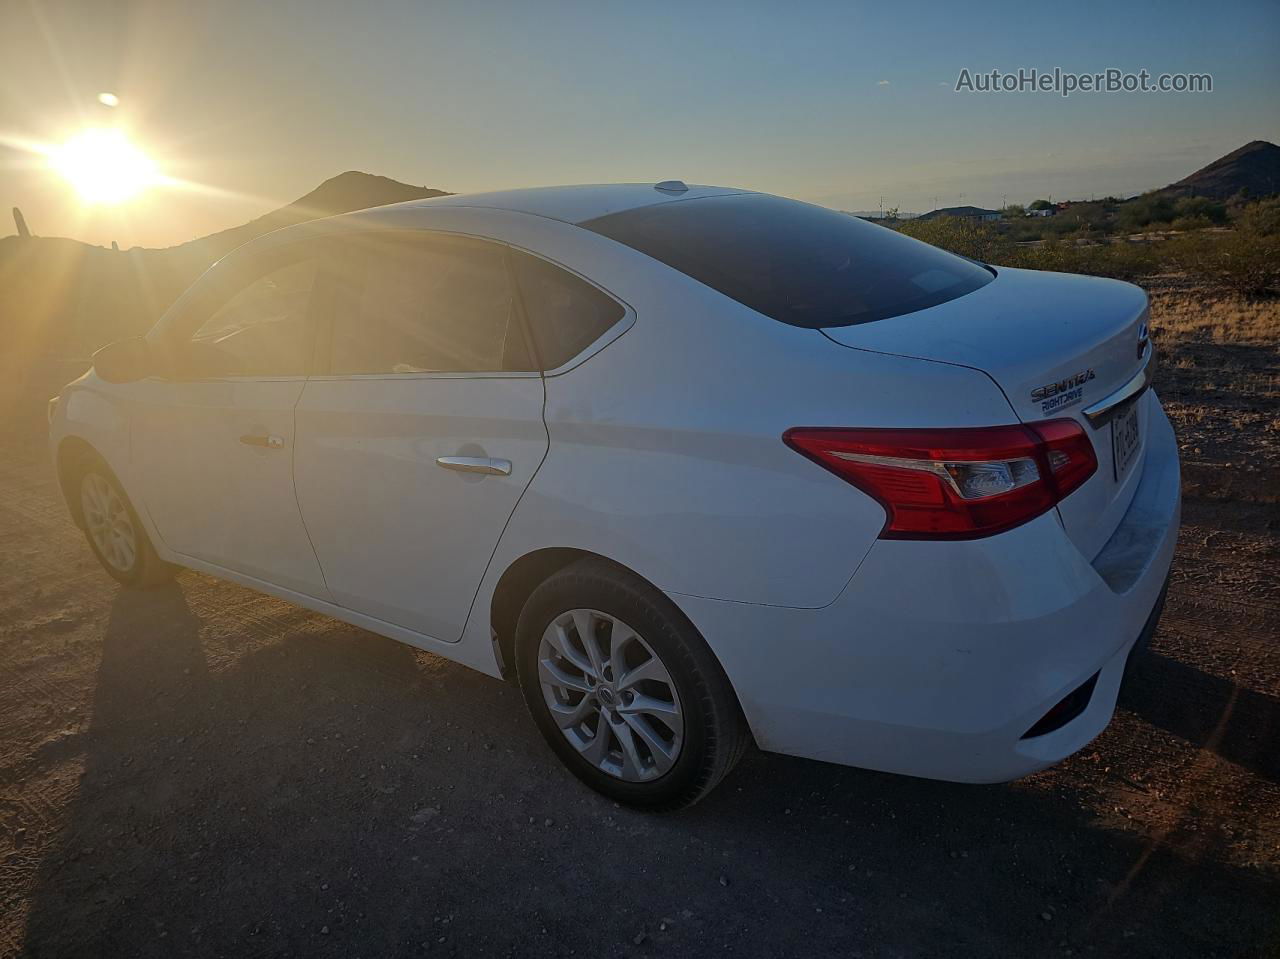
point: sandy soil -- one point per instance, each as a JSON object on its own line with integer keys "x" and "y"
{"x": 202, "y": 770}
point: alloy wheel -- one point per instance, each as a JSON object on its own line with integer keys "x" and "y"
{"x": 611, "y": 695}
{"x": 108, "y": 521}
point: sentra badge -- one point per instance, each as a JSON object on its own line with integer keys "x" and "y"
{"x": 1063, "y": 393}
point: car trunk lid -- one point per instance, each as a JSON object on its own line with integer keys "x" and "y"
{"x": 1056, "y": 345}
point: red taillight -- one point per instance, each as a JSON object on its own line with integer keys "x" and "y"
{"x": 955, "y": 483}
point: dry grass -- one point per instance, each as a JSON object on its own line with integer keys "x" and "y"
{"x": 1219, "y": 379}
{"x": 1216, "y": 317}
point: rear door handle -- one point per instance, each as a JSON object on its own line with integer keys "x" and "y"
{"x": 270, "y": 442}
{"x": 475, "y": 464}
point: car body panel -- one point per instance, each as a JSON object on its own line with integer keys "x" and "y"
{"x": 399, "y": 537}
{"x": 211, "y": 495}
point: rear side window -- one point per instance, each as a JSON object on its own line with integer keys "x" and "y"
{"x": 424, "y": 303}
{"x": 799, "y": 264}
{"x": 566, "y": 314}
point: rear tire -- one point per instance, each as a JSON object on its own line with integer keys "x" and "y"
{"x": 641, "y": 712}
{"x": 114, "y": 532}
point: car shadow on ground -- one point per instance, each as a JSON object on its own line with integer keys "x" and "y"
{"x": 338, "y": 793}
{"x": 1238, "y": 724}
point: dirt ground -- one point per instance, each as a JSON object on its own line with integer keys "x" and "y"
{"x": 202, "y": 770}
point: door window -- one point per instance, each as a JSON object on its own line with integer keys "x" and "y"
{"x": 262, "y": 329}
{"x": 428, "y": 304}
{"x": 566, "y": 313}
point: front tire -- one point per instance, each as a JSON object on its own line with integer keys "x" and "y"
{"x": 624, "y": 690}
{"x": 114, "y": 532}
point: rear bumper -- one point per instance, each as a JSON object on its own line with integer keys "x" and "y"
{"x": 937, "y": 658}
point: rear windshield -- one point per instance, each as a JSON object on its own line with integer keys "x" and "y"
{"x": 800, "y": 264}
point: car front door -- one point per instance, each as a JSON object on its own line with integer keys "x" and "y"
{"x": 214, "y": 436}
{"x": 416, "y": 443}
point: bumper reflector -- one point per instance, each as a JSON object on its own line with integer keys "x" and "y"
{"x": 1067, "y": 709}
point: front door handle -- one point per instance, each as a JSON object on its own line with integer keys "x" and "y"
{"x": 270, "y": 442}
{"x": 475, "y": 464}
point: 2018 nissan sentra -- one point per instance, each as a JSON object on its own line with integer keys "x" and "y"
{"x": 695, "y": 466}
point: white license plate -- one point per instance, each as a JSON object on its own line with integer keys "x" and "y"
{"x": 1125, "y": 441}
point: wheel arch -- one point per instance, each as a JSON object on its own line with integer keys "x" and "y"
{"x": 515, "y": 586}
{"x": 527, "y": 573}
{"x": 74, "y": 454}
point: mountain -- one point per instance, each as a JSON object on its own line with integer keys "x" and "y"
{"x": 340, "y": 194}
{"x": 1254, "y": 168}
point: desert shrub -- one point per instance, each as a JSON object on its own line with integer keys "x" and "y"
{"x": 1122, "y": 261}
{"x": 1199, "y": 207}
{"x": 1188, "y": 223}
{"x": 1261, "y": 218}
{"x": 1243, "y": 261}
{"x": 1143, "y": 211}
{"x": 972, "y": 238}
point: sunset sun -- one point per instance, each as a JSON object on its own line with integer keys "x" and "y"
{"x": 103, "y": 166}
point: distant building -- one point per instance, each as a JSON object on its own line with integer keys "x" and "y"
{"x": 961, "y": 213}
{"x": 1049, "y": 212}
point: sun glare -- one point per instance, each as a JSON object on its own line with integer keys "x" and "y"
{"x": 103, "y": 166}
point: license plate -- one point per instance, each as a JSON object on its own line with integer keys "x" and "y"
{"x": 1125, "y": 441}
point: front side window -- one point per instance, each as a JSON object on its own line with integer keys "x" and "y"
{"x": 799, "y": 264}
{"x": 261, "y": 328}
{"x": 426, "y": 303}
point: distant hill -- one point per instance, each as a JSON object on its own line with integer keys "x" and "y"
{"x": 1254, "y": 168}
{"x": 340, "y": 194}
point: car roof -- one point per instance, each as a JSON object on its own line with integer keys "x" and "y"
{"x": 577, "y": 204}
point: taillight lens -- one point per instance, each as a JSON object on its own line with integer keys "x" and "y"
{"x": 955, "y": 483}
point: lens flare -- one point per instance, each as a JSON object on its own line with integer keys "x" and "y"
{"x": 103, "y": 166}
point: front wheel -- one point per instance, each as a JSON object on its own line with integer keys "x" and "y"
{"x": 624, "y": 689}
{"x": 115, "y": 535}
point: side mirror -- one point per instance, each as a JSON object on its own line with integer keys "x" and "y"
{"x": 124, "y": 361}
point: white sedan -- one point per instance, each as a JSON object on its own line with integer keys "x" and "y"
{"x": 693, "y": 465}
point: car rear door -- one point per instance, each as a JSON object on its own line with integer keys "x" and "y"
{"x": 423, "y": 428}
{"x": 214, "y": 438}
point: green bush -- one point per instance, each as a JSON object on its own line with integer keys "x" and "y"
{"x": 1261, "y": 218}
{"x": 1143, "y": 211}
{"x": 1188, "y": 223}
{"x": 972, "y": 238}
{"x": 1122, "y": 261}
{"x": 1246, "y": 260}
{"x": 1199, "y": 207}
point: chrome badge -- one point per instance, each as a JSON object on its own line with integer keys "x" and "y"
{"x": 1062, "y": 393}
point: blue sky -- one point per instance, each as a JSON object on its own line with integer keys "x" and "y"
{"x": 261, "y": 102}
